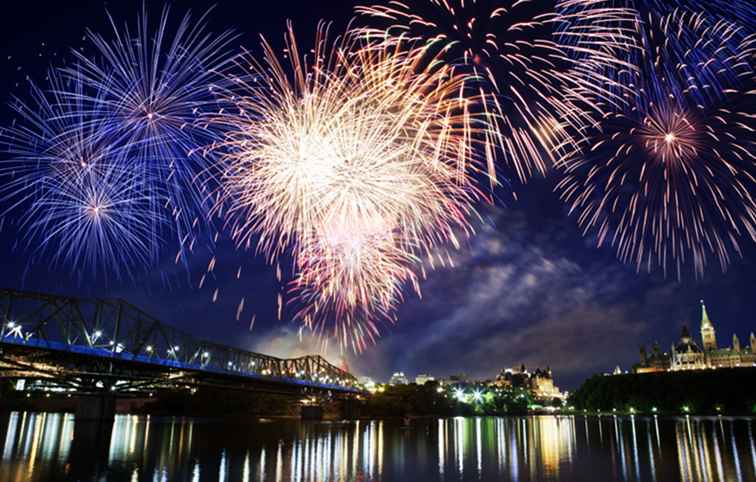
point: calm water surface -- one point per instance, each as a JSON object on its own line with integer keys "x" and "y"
{"x": 41, "y": 447}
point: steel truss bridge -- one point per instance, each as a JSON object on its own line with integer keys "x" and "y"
{"x": 95, "y": 346}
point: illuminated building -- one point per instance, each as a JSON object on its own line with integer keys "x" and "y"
{"x": 457, "y": 379}
{"x": 398, "y": 378}
{"x": 424, "y": 378}
{"x": 366, "y": 382}
{"x": 540, "y": 383}
{"x": 655, "y": 361}
{"x": 686, "y": 354}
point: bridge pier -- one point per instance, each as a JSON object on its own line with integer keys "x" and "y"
{"x": 100, "y": 407}
{"x": 90, "y": 445}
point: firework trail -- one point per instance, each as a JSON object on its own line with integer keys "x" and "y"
{"x": 357, "y": 280}
{"x": 356, "y": 160}
{"x": 150, "y": 89}
{"x": 737, "y": 11}
{"x": 78, "y": 206}
{"x": 669, "y": 181}
{"x": 540, "y": 66}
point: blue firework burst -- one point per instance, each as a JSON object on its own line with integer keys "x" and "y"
{"x": 150, "y": 89}
{"x": 668, "y": 180}
{"x": 77, "y": 204}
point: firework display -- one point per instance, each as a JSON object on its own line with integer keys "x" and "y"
{"x": 356, "y": 158}
{"x": 741, "y": 11}
{"x": 149, "y": 90}
{"x": 130, "y": 113}
{"x": 537, "y": 63}
{"x": 353, "y": 164}
{"x": 669, "y": 180}
{"x": 80, "y": 206}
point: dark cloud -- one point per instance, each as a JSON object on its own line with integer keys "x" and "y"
{"x": 520, "y": 295}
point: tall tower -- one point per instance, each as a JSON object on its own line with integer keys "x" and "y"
{"x": 735, "y": 343}
{"x": 708, "y": 335}
{"x": 752, "y": 339}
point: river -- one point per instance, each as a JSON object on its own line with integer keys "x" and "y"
{"x": 52, "y": 446}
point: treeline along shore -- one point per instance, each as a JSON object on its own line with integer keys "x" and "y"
{"x": 720, "y": 391}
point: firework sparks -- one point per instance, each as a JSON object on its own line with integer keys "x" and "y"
{"x": 537, "y": 67}
{"x": 97, "y": 218}
{"x": 740, "y": 11}
{"x": 670, "y": 135}
{"x": 670, "y": 179}
{"x": 354, "y": 274}
{"x": 355, "y": 158}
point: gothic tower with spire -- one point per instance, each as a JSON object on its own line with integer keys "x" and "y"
{"x": 708, "y": 335}
{"x": 686, "y": 354}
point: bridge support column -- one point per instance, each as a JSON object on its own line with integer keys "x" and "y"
{"x": 96, "y": 408}
{"x": 91, "y": 442}
{"x": 311, "y": 412}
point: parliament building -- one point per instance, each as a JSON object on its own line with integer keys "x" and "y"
{"x": 686, "y": 354}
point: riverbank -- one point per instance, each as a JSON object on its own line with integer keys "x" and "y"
{"x": 649, "y": 394}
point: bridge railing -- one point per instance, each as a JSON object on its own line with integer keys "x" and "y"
{"x": 110, "y": 328}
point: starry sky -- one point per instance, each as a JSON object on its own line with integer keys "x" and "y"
{"x": 528, "y": 288}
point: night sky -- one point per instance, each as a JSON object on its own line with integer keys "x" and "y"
{"x": 527, "y": 289}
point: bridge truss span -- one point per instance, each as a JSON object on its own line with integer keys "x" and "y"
{"x": 95, "y": 345}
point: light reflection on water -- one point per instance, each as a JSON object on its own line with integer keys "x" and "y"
{"x": 47, "y": 446}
